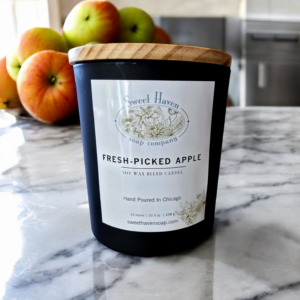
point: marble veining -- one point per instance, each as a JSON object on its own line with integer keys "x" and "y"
{"x": 48, "y": 251}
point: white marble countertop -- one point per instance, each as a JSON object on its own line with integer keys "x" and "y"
{"x": 48, "y": 252}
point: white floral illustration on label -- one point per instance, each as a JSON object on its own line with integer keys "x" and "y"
{"x": 190, "y": 210}
{"x": 152, "y": 122}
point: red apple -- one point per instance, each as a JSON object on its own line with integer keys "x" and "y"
{"x": 46, "y": 86}
{"x": 92, "y": 21}
{"x": 30, "y": 42}
{"x": 9, "y": 97}
{"x": 161, "y": 37}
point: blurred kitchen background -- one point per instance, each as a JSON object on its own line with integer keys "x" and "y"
{"x": 261, "y": 35}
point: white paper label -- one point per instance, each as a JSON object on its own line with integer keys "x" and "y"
{"x": 153, "y": 141}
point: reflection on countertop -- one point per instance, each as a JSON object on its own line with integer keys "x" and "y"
{"x": 48, "y": 251}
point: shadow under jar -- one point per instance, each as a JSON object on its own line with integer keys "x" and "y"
{"x": 152, "y": 119}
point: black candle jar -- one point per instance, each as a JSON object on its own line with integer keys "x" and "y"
{"x": 152, "y": 120}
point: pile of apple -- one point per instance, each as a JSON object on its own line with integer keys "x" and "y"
{"x": 36, "y": 75}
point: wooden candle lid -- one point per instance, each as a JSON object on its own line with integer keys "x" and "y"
{"x": 149, "y": 51}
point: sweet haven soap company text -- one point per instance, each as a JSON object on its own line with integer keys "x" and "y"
{"x": 151, "y": 121}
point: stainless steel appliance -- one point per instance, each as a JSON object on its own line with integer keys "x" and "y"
{"x": 272, "y": 55}
{"x": 216, "y": 33}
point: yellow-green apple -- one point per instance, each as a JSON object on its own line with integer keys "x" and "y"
{"x": 9, "y": 97}
{"x": 161, "y": 37}
{"x": 30, "y": 42}
{"x": 93, "y": 43}
{"x": 136, "y": 26}
{"x": 13, "y": 65}
{"x": 46, "y": 87}
{"x": 92, "y": 21}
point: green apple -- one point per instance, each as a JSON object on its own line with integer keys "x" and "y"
{"x": 136, "y": 26}
{"x": 91, "y": 21}
{"x": 30, "y": 42}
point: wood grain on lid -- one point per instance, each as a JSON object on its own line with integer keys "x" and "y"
{"x": 149, "y": 51}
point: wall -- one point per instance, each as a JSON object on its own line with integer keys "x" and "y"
{"x": 288, "y": 10}
{"x": 17, "y": 16}
{"x": 170, "y": 8}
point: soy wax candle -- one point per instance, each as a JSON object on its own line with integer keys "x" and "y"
{"x": 152, "y": 120}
